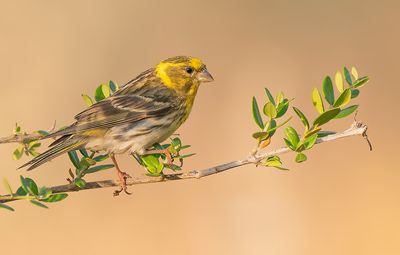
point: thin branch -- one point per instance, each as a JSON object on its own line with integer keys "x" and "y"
{"x": 356, "y": 129}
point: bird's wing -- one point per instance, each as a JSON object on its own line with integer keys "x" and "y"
{"x": 114, "y": 111}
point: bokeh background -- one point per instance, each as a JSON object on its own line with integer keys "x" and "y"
{"x": 344, "y": 200}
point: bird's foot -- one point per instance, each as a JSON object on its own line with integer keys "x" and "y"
{"x": 122, "y": 176}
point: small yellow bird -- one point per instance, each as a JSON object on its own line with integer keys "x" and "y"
{"x": 145, "y": 111}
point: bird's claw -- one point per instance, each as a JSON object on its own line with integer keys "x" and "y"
{"x": 123, "y": 187}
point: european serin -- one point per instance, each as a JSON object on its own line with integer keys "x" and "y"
{"x": 145, "y": 111}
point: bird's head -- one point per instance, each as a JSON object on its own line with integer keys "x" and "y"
{"x": 183, "y": 74}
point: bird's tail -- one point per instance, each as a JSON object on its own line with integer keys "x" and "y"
{"x": 65, "y": 145}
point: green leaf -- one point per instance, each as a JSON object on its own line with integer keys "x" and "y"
{"x": 7, "y": 186}
{"x": 88, "y": 101}
{"x": 73, "y": 156}
{"x": 42, "y": 132}
{"x": 37, "y": 203}
{"x": 292, "y": 136}
{"x": 101, "y": 158}
{"x": 32, "y": 187}
{"x": 343, "y": 99}
{"x": 347, "y": 76}
{"x": 302, "y": 117}
{"x": 256, "y": 114}
{"x": 346, "y": 111}
{"x": 102, "y": 92}
{"x": 273, "y": 161}
{"x": 324, "y": 133}
{"x": 360, "y": 82}
{"x": 17, "y": 154}
{"x": 327, "y": 88}
{"x": 317, "y": 100}
{"x": 326, "y": 116}
{"x": 282, "y": 108}
{"x": 270, "y": 110}
{"x": 271, "y": 127}
{"x": 24, "y": 184}
{"x": 84, "y": 152}
{"x": 152, "y": 163}
{"x": 301, "y": 157}
{"x": 339, "y": 82}
{"x": 279, "y": 98}
{"x": 34, "y": 145}
{"x": 17, "y": 129}
{"x": 310, "y": 141}
{"x": 80, "y": 183}
{"x": 176, "y": 143}
{"x": 45, "y": 192}
{"x": 98, "y": 168}
{"x": 86, "y": 163}
{"x": 186, "y": 155}
{"x": 113, "y": 86}
{"x": 354, "y": 93}
{"x": 4, "y": 206}
{"x": 261, "y": 135}
{"x": 270, "y": 97}
{"x": 312, "y": 131}
{"x": 289, "y": 144}
{"x": 55, "y": 198}
{"x": 354, "y": 73}
{"x": 21, "y": 192}
{"x": 173, "y": 167}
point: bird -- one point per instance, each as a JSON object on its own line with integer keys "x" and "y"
{"x": 146, "y": 110}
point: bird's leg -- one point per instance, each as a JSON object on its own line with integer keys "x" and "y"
{"x": 166, "y": 152}
{"x": 122, "y": 176}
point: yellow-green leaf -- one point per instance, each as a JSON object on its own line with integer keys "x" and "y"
{"x": 343, "y": 99}
{"x": 270, "y": 110}
{"x": 339, "y": 81}
{"x": 354, "y": 73}
{"x": 317, "y": 100}
{"x": 88, "y": 101}
{"x": 326, "y": 116}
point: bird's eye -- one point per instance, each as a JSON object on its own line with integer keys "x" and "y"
{"x": 189, "y": 70}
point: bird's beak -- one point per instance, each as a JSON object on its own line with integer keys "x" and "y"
{"x": 204, "y": 76}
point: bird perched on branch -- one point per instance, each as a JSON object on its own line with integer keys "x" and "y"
{"x": 145, "y": 111}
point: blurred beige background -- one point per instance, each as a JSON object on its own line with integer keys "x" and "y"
{"x": 344, "y": 200}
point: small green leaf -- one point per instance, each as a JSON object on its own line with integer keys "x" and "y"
{"x": 17, "y": 129}
{"x": 101, "y": 158}
{"x": 152, "y": 163}
{"x": 317, "y": 100}
{"x": 102, "y": 92}
{"x": 343, "y": 99}
{"x": 42, "y": 132}
{"x": 346, "y": 111}
{"x": 279, "y": 98}
{"x": 282, "y": 108}
{"x": 261, "y": 135}
{"x": 24, "y": 184}
{"x": 186, "y": 155}
{"x": 4, "y": 206}
{"x": 55, "y": 198}
{"x": 88, "y": 101}
{"x": 289, "y": 144}
{"x": 292, "y": 136}
{"x": 354, "y": 73}
{"x": 339, "y": 81}
{"x": 347, "y": 76}
{"x": 84, "y": 152}
{"x": 327, "y": 88}
{"x": 45, "y": 192}
{"x": 273, "y": 161}
{"x": 312, "y": 132}
{"x": 270, "y": 110}
{"x": 17, "y": 154}
{"x": 271, "y": 128}
{"x": 256, "y": 114}
{"x": 85, "y": 163}
{"x": 21, "y": 192}
{"x": 34, "y": 145}
{"x": 310, "y": 141}
{"x": 302, "y": 117}
{"x": 354, "y": 93}
{"x": 7, "y": 186}
{"x": 173, "y": 167}
{"x": 324, "y": 133}
{"x": 32, "y": 187}
{"x": 176, "y": 142}
{"x": 37, "y": 203}
{"x": 270, "y": 97}
{"x": 73, "y": 156}
{"x": 113, "y": 86}
{"x": 80, "y": 183}
{"x": 301, "y": 157}
{"x": 98, "y": 168}
{"x": 360, "y": 82}
{"x": 326, "y": 116}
